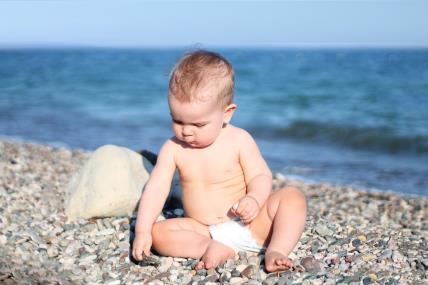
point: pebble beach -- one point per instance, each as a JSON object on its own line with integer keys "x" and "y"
{"x": 352, "y": 236}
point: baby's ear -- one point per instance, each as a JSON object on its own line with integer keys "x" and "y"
{"x": 228, "y": 112}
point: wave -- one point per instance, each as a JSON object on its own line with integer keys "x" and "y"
{"x": 367, "y": 138}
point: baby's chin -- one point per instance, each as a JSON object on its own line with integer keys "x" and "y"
{"x": 197, "y": 144}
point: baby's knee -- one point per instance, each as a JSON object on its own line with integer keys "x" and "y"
{"x": 292, "y": 196}
{"x": 159, "y": 232}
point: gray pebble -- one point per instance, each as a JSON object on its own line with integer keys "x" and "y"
{"x": 242, "y": 256}
{"x": 250, "y": 272}
{"x": 253, "y": 282}
{"x": 323, "y": 230}
{"x": 235, "y": 273}
{"x": 179, "y": 212}
{"x": 366, "y": 280}
{"x": 356, "y": 243}
{"x": 201, "y": 272}
{"x": 225, "y": 276}
{"x": 387, "y": 253}
{"x": 310, "y": 264}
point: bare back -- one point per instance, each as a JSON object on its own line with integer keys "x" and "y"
{"x": 212, "y": 178}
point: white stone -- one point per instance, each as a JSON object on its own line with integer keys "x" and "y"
{"x": 3, "y": 239}
{"x": 106, "y": 232}
{"x": 109, "y": 184}
{"x": 52, "y": 251}
{"x": 236, "y": 280}
{"x": 166, "y": 263}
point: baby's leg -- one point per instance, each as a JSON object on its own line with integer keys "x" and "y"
{"x": 279, "y": 225}
{"x": 186, "y": 237}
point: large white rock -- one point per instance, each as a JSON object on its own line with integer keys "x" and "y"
{"x": 109, "y": 184}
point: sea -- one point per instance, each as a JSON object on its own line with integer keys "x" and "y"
{"x": 351, "y": 117}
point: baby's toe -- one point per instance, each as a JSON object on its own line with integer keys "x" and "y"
{"x": 199, "y": 265}
{"x": 209, "y": 263}
{"x": 285, "y": 263}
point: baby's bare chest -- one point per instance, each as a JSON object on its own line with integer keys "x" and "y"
{"x": 208, "y": 167}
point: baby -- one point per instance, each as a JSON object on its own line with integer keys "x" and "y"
{"x": 226, "y": 184}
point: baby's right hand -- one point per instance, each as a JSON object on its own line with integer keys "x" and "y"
{"x": 142, "y": 244}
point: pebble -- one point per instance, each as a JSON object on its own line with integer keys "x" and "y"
{"x": 255, "y": 260}
{"x": 348, "y": 234}
{"x": 253, "y": 282}
{"x": 202, "y": 272}
{"x": 179, "y": 212}
{"x": 235, "y": 273}
{"x": 106, "y": 232}
{"x": 387, "y": 253}
{"x": 225, "y": 276}
{"x": 397, "y": 256}
{"x": 3, "y": 239}
{"x": 250, "y": 272}
{"x": 323, "y": 230}
{"x": 310, "y": 264}
{"x": 236, "y": 280}
{"x": 165, "y": 264}
{"x": 52, "y": 251}
{"x": 356, "y": 242}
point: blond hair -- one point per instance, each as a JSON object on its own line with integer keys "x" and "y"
{"x": 199, "y": 70}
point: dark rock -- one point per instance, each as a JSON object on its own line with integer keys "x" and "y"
{"x": 356, "y": 242}
{"x": 150, "y": 261}
{"x": 354, "y": 278}
{"x": 201, "y": 272}
{"x": 225, "y": 276}
{"x": 350, "y": 258}
{"x": 150, "y": 156}
{"x": 392, "y": 281}
{"x": 236, "y": 273}
{"x": 310, "y": 264}
{"x": 211, "y": 278}
{"x": 250, "y": 272}
{"x": 366, "y": 280}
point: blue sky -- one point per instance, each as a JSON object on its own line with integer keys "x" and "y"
{"x": 214, "y": 23}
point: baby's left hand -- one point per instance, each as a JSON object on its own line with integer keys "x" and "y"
{"x": 247, "y": 209}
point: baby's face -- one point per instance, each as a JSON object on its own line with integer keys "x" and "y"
{"x": 198, "y": 123}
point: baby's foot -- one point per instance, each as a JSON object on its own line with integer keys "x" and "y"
{"x": 216, "y": 254}
{"x": 276, "y": 261}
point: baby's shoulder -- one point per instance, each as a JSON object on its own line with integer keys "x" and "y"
{"x": 170, "y": 145}
{"x": 239, "y": 135}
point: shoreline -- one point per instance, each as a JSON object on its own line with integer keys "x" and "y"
{"x": 352, "y": 236}
{"x": 295, "y": 178}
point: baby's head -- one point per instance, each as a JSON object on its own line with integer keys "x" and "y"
{"x": 201, "y": 97}
{"x": 201, "y": 76}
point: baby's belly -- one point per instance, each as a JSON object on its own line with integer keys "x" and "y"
{"x": 211, "y": 206}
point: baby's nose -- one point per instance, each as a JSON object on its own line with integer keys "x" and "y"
{"x": 187, "y": 131}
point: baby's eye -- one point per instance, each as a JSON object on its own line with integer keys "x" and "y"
{"x": 200, "y": 125}
{"x": 177, "y": 122}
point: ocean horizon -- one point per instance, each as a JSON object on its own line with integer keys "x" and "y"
{"x": 352, "y": 117}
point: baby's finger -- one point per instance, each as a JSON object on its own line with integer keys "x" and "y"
{"x": 233, "y": 210}
{"x": 251, "y": 216}
{"x": 137, "y": 254}
{"x": 242, "y": 209}
{"x": 235, "y": 206}
{"x": 147, "y": 251}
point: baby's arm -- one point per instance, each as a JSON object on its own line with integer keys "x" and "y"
{"x": 153, "y": 198}
{"x": 257, "y": 175}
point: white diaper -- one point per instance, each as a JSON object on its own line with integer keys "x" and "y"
{"x": 235, "y": 235}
